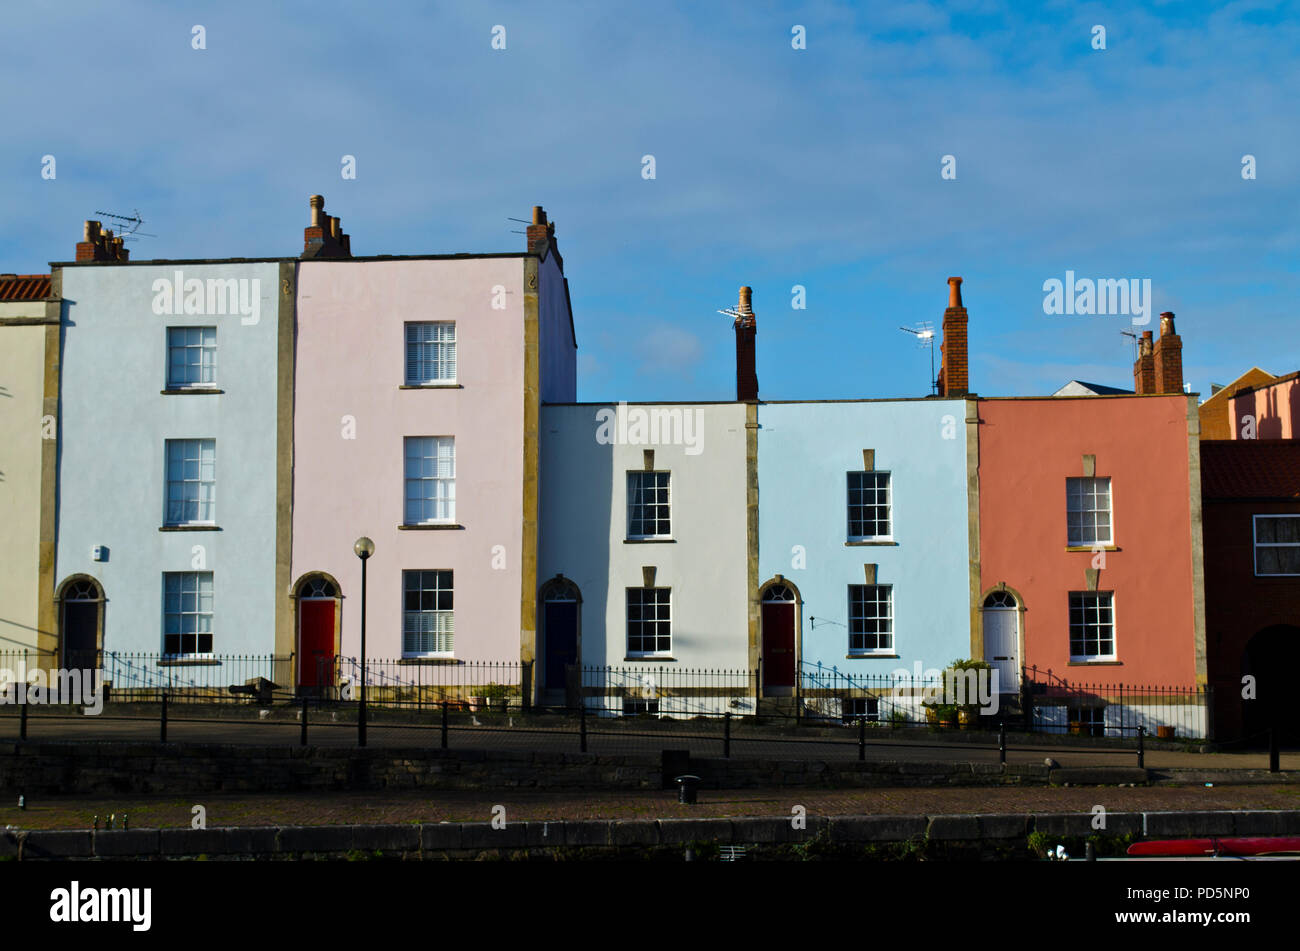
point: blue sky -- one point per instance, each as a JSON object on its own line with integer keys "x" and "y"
{"x": 774, "y": 167}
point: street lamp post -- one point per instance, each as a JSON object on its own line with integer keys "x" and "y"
{"x": 364, "y": 548}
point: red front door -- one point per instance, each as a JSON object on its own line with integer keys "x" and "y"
{"x": 778, "y": 644}
{"x": 315, "y": 643}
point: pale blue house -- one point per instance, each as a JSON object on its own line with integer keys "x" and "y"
{"x": 864, "y": 544}
{"x": 174, "y": 467}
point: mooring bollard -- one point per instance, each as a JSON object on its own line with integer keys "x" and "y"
{"x": 687, "y": 788}
{"x": 302, "y": 740}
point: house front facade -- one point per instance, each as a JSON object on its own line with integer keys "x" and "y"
{"x": 864, "y": 557}
{"x": 1091, "y": 553}
{"x": 173, "y": 466}
{"x": 417, "y": 392}
{"x": 644, "y": 565}
{"x": 29, "y": 409}
{"x": 1251, "y": 496}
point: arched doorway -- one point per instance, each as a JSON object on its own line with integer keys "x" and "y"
{"x": 1272, "y": 656}
{"x": 1001, "y": 624}
{"x": 779, "y": 626}
{"x": 561, "y": 635}
{"x": 80, "y": 602}
{"x": 319, "y": 609}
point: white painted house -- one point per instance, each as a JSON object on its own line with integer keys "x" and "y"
{"x": 643, "y": 571}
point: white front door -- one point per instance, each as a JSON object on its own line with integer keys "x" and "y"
{"x": 1002, "y": 646}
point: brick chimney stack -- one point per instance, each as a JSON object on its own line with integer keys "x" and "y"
{"x": 746, "y": 327}
{"x": 324, "y": 237}
{"x": 541, "y": 236}
{"x": 1144, "y": 368}
{"x": 99, "y": 245}
{"x": 954, "y": 376}
{"x": 1168, "y": 357}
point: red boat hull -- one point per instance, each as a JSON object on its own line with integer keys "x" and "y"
{"x": 1261, "y": 845}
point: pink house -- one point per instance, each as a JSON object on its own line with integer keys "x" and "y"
{"x": 1269, "y": 410}
{"x": 416, "y": 393}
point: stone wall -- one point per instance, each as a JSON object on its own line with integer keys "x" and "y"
{"x": 157, "y": 768}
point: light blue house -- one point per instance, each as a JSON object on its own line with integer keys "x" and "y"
{"x": 174, "y": 467}
{"x": 864, "y": 545}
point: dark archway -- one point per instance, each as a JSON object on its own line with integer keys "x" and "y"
{"x": 80, "y": 605}
{"x": 1272, "y": 656}
{"x": 561, "y": 640}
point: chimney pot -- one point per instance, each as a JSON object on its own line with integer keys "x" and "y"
{"x": 317, "y": 203}
{"x": 334, "y": 228}
{"x": 539, "y": 215}
{"x": 954, "y": 377}
{"x": 746, "y": 327}
{"x": 954, "y": 292}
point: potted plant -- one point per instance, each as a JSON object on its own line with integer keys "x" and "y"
{"x": 496, "y": 696}
{"x": 968, "y": 707}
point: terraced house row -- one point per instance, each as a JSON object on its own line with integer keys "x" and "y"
{"x": 192, "y": 447}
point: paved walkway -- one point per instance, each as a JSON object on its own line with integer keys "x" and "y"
{"x": 381, "y": 807}
{"x": 613, "y": 737}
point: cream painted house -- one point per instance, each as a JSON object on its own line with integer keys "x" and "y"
{"x": 29, "y": 401}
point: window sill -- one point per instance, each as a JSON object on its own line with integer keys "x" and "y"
{"x": 1098, "y": 547}
{"x": 1095, "y": 663}
{"x": 887, "y": 541}
{"x": 438, "y": 527}
{"x": 190, "y": 528}
{"x": 431, "y": 386}
{"x": 649, "y": 541}
{"x": 198, "y": 660}
{"x": 871, "y": 656}
{"x": 191, "y": 391}
{"x": 421, "y": 661}
{"x": 649, "y": 658}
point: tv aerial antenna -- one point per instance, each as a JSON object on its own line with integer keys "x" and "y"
{"x": 924, "y": 333}
{"x": 521, "y": 221}
{"x": 1130, "y": 333}
{"x": 128, "y": 226}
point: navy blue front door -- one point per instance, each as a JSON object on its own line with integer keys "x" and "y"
{"x": 561, "y": 640}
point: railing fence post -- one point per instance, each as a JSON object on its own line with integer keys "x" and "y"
{"x": 862, "y": 738}
{"x": 582, "y": 724}
{"x": 444, "y": 724}
{"x": 1002, "y": 742}
{"x": 162, "y": 720}
{"x": 1142, "y": 753}
{"x": 22, "y": 712}
{"x": 726, "y": 735}
{"x": 1274, "y": 750}
{"x": 303, "y": 739}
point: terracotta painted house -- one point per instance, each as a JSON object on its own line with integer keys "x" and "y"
{"x": 1251, "y": 498}
{"x": 418, "y": 383}
{"x": 1090, "y": 549}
